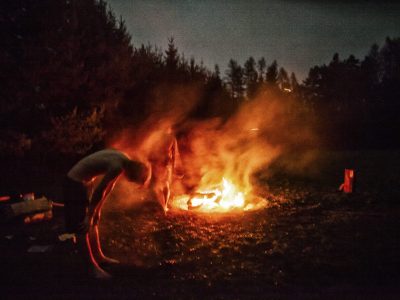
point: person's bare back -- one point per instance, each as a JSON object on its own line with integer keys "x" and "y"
{"x": 98, "y": 163}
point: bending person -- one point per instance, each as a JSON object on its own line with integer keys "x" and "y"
{"x": 82, "y": 212}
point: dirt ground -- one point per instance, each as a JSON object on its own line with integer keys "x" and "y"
{"x": 312, "y": 242}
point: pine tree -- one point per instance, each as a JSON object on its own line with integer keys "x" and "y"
{"x": 272, "y": 73}
{"x": 294, "y": 84}
{"x": 250, "y": 77}
{"x": 217, "y": 72}
{"x": 171, "y": 56}
{"x": 282, "y": 80}
{"x": 235, "y": 79}
{"x": 371, "y": 74}
{"x": 390, "y": 60}
{"x": 261, "y": 66}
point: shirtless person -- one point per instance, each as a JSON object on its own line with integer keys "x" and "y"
{"x": 82, "y": 212}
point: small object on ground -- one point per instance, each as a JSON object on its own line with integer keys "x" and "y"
{"x": 9, "y": 237}
{"x": 30, "y": 207}
{"x": 4, "y": 198}
{"x": 58, "y": 204}
{"x": 67, "y": 236}
{"x": 47, "y": 215}
{"x": 40, "y": 248}
{"x": 32, "y": 238}
{"x": 29, "y": 196}
{"x": 348, "y": 185}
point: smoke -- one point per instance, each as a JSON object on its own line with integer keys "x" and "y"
{"x": 264, "y": 130}
{"x": 167, "y": 106}
{"x": 270, "y": 128}
{"x": 128, "y": 194}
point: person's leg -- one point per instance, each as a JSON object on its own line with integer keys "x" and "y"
{"x": 159, "y": 194}
{"x": 156, "y": 190}
{"x": 95, "y": 237}
{"x": 75, "y": 204}
{"x": 77, "y": 222}
{"x": 85, "y": 249}
{"x": 96, "y": 245}
{"x": 167, "y": 184}
{"x": 166, "y": 195}
{"x": 157, "y": 184}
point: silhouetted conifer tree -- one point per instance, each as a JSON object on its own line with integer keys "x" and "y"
{"x": 235, "y": 79}
{"x": 171, "y": 56}
{"x": 390, "y": 60}
{"x": 294, "y": 84}
{"x": 261, "y": 66}
{"x": 283, "y": 80}
{"x": 250, "y": 77}
{"x": 272, "y": 73}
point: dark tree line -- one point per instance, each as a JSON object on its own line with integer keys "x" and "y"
{"x": 70, "y": 78}
{"x": 358, "y": 101}
{"x": 61, "y": 62}
{"x": 245, "y": 82}
{"x": 355, "y": 102}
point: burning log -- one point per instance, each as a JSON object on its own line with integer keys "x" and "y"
{"x": 222, "y": 198}
{"x": 198, "y": 199}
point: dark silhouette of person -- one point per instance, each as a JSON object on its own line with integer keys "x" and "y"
{"x": 160, "y": 149}
{"x": 165, "y": 162}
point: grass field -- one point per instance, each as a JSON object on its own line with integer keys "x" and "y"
{"x": 313, "y": 242}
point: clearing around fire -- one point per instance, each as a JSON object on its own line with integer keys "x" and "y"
{"x": 311, "y": 242}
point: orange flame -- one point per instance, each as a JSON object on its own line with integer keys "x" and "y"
{"x": 223, "y": 197}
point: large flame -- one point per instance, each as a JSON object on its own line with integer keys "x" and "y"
{"x": 222, "y": 157}
{"x": 222, "y": 197}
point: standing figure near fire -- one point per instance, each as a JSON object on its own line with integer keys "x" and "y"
{"x": 82, "y": 212}
{"x": 165, "y": 162}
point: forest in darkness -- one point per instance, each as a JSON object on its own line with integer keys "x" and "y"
{"x": 71, "y": 78}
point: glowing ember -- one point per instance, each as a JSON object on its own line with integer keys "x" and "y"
{"x": 223, "y": 197}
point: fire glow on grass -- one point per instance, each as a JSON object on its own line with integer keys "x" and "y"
{"x": 223, "y": 197}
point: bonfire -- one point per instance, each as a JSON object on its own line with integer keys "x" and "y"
{"x": 220, "y": 198}
{"x": 218, "y": 158}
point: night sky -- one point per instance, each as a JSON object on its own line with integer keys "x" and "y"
{"x": 298, "y": 34}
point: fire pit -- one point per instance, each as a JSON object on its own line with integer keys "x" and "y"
{"x": 224, "y": 197}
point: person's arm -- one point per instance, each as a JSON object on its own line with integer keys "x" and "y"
{"x": 149, "y": 167}
{"x": 104, "y": 187}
